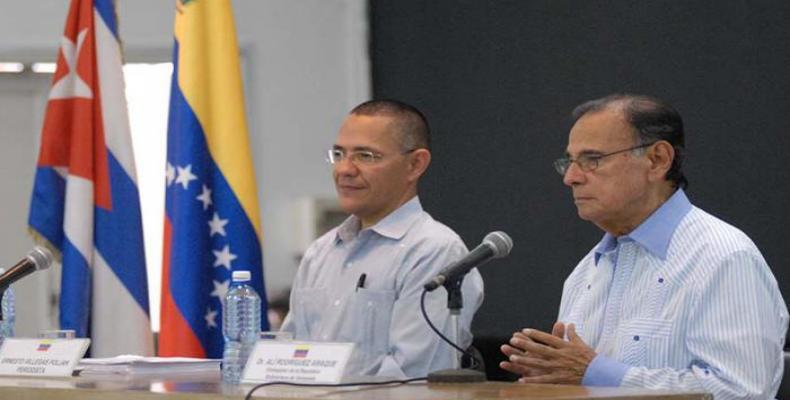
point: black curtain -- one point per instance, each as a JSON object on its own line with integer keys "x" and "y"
{"x": 497, "y": 79}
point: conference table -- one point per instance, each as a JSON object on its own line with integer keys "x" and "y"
{"x": 209, "y": 387}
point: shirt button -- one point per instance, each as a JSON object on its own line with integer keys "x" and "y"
{"x": 588, "y": 287}
{"x": 636, "y": 338}
{"x": 370, "y": 304}
{"x": 660, "y": 280}
{"x": 337, "y": 303}
{"x": 325, "y": 337}
{"x": 349, "y": 264}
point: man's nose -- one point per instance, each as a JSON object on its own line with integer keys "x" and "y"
{"x": 344, "y": 166}
{"x": 573, "y": 175}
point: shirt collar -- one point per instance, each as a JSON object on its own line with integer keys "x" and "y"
{"x": 393, "y": 226}
{"x": 655, "y": 233}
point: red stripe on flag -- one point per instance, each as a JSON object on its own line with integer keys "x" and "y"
{"x": 176, "y": 338}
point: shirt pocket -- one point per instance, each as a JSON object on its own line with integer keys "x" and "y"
{"x": 644, "y": 341}
{"x": 367, "y": 321}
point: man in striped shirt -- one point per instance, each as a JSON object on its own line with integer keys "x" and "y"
{"x": 672, "y": 297}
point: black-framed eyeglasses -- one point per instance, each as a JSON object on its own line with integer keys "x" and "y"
{"x": 335, "y": 156}
{"x": 589, "y": 162}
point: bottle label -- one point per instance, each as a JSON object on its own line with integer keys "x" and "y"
{"x": 305, "y": 362}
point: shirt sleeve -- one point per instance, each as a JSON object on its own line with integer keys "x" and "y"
{"x": 604, "y": 371}
{"x": 735, "y": 336}
{"x": 414, "y": 349}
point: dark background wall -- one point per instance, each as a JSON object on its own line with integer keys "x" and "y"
{"x": 497, "y": 79}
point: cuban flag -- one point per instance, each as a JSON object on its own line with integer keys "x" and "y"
{"x": 85, "y": 201}
{"x": 212, "y": 223}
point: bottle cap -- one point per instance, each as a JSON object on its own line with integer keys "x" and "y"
{"x": 241, "y": 276}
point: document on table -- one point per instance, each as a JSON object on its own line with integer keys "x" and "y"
{"x": 139, "y": 365}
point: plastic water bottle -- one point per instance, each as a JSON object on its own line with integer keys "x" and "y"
{"x": 9, "y": 313}
{"x": 240, "y": 326}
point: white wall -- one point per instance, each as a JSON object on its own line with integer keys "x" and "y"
{"x": 306, "y": 65}
{"x": 21, "y": 102}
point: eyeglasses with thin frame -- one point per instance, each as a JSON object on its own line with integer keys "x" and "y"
{"x": 363, "y": 157}
{"x": 589, "y": 162}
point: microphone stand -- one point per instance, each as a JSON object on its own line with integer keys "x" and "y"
{"x": 456, "y": 374}
{"x": 2, "y": 294}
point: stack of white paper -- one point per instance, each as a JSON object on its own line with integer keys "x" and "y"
{"x": 139, "y": 365}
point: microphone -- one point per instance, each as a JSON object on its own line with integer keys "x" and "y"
{"x": 495, "y": 245}
{"x": 36, "y": 259}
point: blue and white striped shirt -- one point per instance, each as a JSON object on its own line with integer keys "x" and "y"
{"x": 685, "y": 301}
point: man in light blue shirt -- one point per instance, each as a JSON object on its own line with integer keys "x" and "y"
{"x": 672, "y": 297}
{"x": 361, "y": 282}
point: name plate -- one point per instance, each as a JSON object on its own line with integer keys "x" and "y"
{"x": 41, "y": 357}
{"x": 304, "y": 362}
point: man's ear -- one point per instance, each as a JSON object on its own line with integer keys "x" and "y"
{"x": 661, "y": 156}
{"x": 419, "y": 160}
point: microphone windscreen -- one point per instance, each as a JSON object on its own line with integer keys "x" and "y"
{"x": 41, "y": 257}
{"x": 500, "y": 242}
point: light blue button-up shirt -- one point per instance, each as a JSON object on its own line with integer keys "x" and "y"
{"x": 397, "y": 256}
{"x": 685, "y": 301}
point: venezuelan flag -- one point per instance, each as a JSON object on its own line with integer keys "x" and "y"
{"x": 301, "y": 351}
{"x": 212, "y": 223}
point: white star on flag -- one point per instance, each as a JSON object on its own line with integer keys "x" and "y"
{"x": 221, "y": 289}
{"x": 170, "y": 173}
{"x": 185, "y": 176}
{"x": 217, "y": 225}
{"x": 71, "y": 85}
{"x": 205, "y": 197}
{"x": 211, "y": 316}
{"x": 223, "y": 257}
